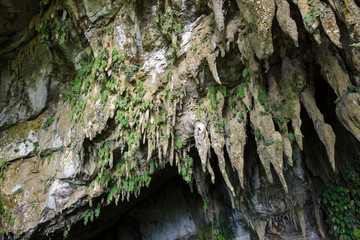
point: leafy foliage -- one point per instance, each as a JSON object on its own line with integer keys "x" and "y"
{"x": 342, "y": 205}
{"x": 3, "y": 166}
{"x": 291, "y": 136}
{"x": 353, "y": 88}
{"x": 52, "y": 22}
{"x": 55, "y": 31}
{"x": 6, "y": 217}
{"x": 170, "y": 25}
{"x": 212, "y": 94}
{"x": 223, "y": 231}
{"x": 313, "y": 14}
{"x": 186, "y": 168}
{"x": 168, "y": 21}
{"x": 263, "y": 100}
{"x": 91, "y": 214}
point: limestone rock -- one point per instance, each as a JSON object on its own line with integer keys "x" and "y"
{"x": 100, "y": 99}
{"x": 324, "y": 130}
{"x": 347, "y": 111}
{"x": 286, "y": 23}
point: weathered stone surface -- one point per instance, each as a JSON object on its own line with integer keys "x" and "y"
{"x": 115, "y": 93}
{"x": 287, "y": 24}
{"x": 347, "y": 111}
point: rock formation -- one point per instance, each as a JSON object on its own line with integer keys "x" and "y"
{"x": 255, "y": 104}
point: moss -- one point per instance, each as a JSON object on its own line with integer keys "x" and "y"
{"x": 204, "y": 231}
{"x": 25, "y": 55}
{"x": 149, "y": 42}
{"x": 22, "y": 130}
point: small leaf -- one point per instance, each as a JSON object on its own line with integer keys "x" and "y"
{"x": 178, "y": 143}
{"x": 245, "y": 72}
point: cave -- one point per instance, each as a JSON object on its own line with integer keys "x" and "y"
{"x": 180, "y": 120}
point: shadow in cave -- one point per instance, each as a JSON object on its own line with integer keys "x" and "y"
{"x": 113, "y": 219}
{"x": 169, "y": 209}
{"x": 346, "y": 144}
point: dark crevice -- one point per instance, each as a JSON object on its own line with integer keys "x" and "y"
{"x": 112, "y": 216}
{"x": 316, "y": 159}
{"x": 111, "y": 126}
{"x": 344, "y": 150}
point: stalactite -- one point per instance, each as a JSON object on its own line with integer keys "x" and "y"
{"x": 302, "y": 222}
{"x": 236, "y": 139}
{"x": 219, "y": 13}
{"x": 323, "y": 130}
{"x": 211, "y": 59}
{"x": 286, "y": 23}
{"x": 268, "y": 105}
{"x": 311, "y": 22}
{"x": 332, "y": 68}
{"x": 348, "y": 112}
{"x": 202, "y": 143}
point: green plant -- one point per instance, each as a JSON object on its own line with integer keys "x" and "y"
{"x": 168, "y": 21}
{"x": 355, "y": 45}
{"x": 291, "y": 137}
{"x": 186, "y": 168}
{"x": 52, "y": 24}
{"x": 205, "y": 201}
{"x": 178, "y": 143}
{"x": 313, "y": 14}
{"x": 3, "y": 166}
{"x": 219, "y": 123}
{"x": 222, "y": 230}
{"x": 193, "y": 48}
{"x": 204, "y": 231}
{"x": 263, "y": 100}
{"x": 242, "y": 118}
{"x": 170, "y": 25}
{"x": 212, "y": 94}
{"x": 257, "y": 134}
{"x": 19, "y": 190}
{"x": 91, "y": 214}
{"x": 49, "y": 159}
{"x": 43, "y": 182}
{"x": 342, "y": 205}
{"x": 169, "y": 57}
{"x": 309, "y": 18}
{"x": 67, "y": 230}
{"x": 174, "y": 48}
{"x": 36, "y": 146}
{"x": 241, "y": 90}
{"x": 6, "y": 217}
{"x": 49, "y": 121}
{"x": 210, "y": 32}
{"x": 127, "y": 183}
{"x": 109, "y": 30}
{"x": 352, "y": 88}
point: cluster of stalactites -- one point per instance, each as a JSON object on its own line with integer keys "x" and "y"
{"x": 287, "y": 86}
{"x": 287, "y": 89}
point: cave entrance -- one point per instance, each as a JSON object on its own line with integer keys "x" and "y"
{"x": 169, "y": 209}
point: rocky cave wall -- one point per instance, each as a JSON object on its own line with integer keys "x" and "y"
{"x": 254, "y": 104}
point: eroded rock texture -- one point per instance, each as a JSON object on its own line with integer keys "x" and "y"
{"x": 255, "y": 104}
